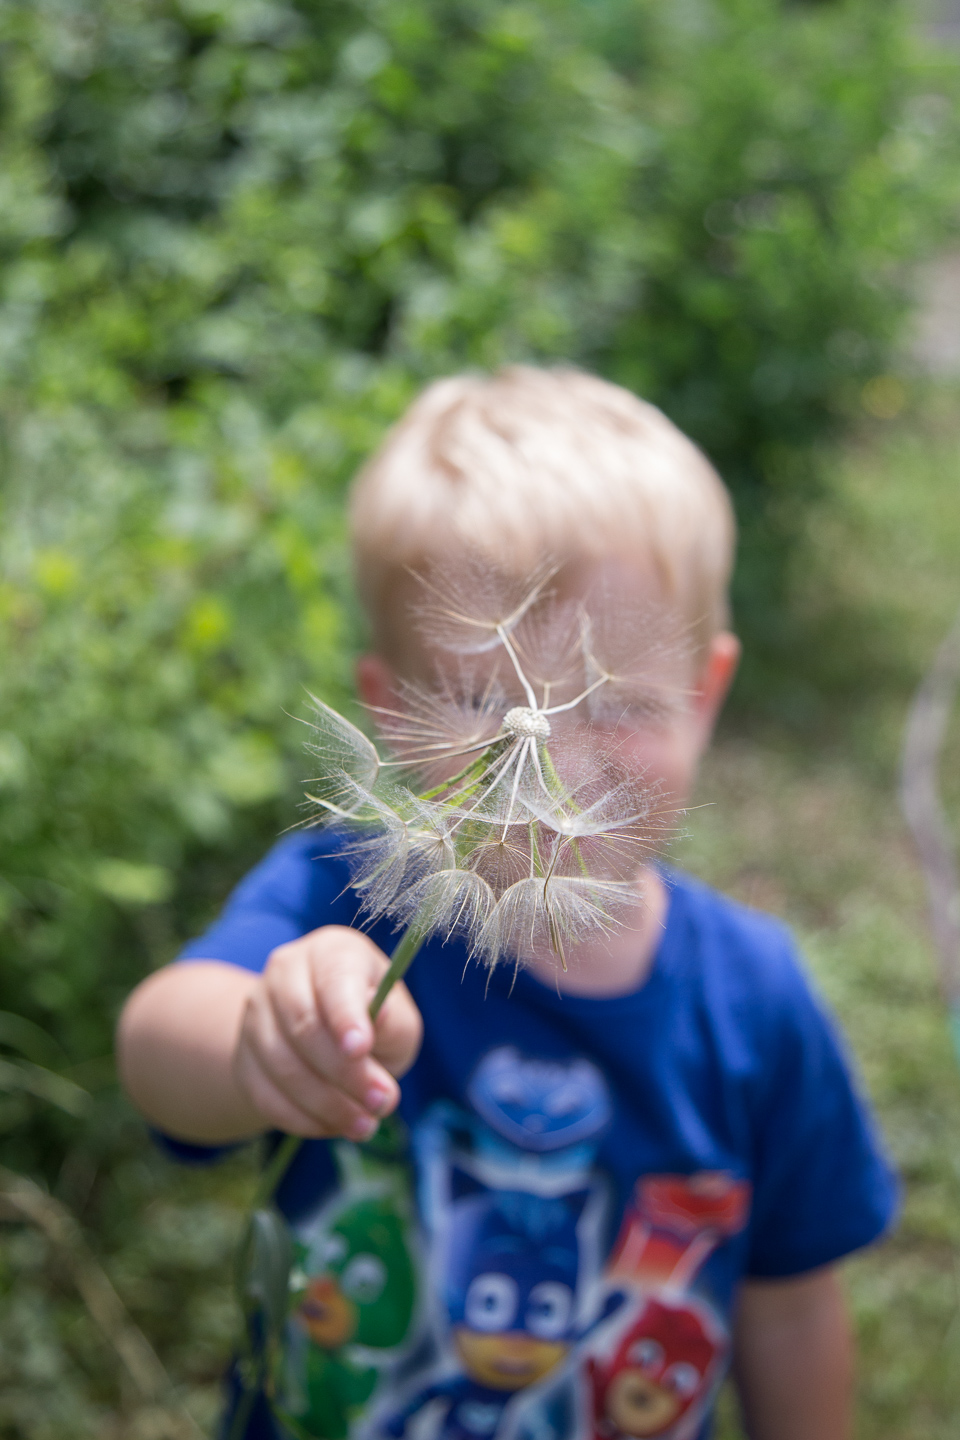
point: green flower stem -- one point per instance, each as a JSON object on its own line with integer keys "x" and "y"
{"x": 550, "y": 773}
{"x": 275, "y": 1169}
{"x": 400, "y": 962}
{"x": 475, "y": 768}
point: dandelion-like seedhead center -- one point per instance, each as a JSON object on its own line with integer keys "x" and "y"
{"x": 526, "y": 724}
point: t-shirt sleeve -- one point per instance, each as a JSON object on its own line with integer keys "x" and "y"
{"x": 824, "y": 1186}
{"x": 301, "y": 884}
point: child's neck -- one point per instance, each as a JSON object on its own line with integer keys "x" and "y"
{"x": 614, "y": 964}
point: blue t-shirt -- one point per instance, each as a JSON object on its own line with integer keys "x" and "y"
{"x": 547, "y": 1241}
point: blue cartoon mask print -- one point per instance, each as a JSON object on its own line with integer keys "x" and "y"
{"x": 510, "y": 1283}
{"x": 540, "y": 1105}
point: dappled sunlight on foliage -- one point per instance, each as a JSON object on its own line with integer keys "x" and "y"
{"x": 234, "y": 241}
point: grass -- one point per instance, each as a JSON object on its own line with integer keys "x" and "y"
{"x": 799, "y": 817}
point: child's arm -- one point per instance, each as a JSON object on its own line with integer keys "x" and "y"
{"x": 211, "y": 1053}
{"x": 793, "y": 1358}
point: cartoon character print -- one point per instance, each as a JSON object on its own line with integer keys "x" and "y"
{"x": 511, "y": 1276}
{"x": 512, "y": 1210}
{"x": 527, "y": 1339}
{"x": 657, "y": 1368}
{"x": 533, "y": 1124}
{"x": 353, "y": 1292}
{"x": 674, "y": 1224}
{"x": 663, "y": 1368}
{"x": 547, "y": 1107}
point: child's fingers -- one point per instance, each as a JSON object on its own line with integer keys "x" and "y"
{"x": 348, "y": 973}
{"x": 321, "y": 985}
{"x": 325, "y": 981}
{"x": 289, "y": 1092}
{"x": 318, "y": 990}
{"x": 277, "y": 1110}
{"x": 346, "y": 970}
{"x": 288, "y": 1086}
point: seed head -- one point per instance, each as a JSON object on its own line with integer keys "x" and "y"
{"x": 522, "y": 723}
{"x": 487, "y": 819}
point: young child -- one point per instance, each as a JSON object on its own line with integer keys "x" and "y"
{"x": 597, "y": 1186}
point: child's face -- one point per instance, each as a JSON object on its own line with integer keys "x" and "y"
{"x": 666, "y": 748}
{"x": 659, "y": 719}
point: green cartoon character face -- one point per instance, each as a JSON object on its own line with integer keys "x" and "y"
{"x": 361, "y": 1289}
{"x": 353, "y": 1292}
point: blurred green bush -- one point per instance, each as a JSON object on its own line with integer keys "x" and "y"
{"x": 234, "y": 240}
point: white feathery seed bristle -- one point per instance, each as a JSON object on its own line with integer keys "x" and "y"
{"x": 468, "y": 825}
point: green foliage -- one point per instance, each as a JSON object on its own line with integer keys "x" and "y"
{"x": 234, "y": 240}
{"x": 709, "y": 201}
{"x": 157, "y": 620}
{"x": 237, "y": 240}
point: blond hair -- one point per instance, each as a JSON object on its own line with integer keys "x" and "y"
{"x": 529, "y": 464}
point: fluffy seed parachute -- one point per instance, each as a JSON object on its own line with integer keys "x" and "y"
{"x": 500, "y": 809}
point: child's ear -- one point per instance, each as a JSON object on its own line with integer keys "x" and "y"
{"x": 716, "y": 677}
{"x": 376, "y": 683}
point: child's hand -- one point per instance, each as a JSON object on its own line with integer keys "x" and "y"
{"x": 308, "y": 1058}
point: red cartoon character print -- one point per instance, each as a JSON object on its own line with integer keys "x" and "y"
{"x": 663, "y": 1368}
{"x": 674, "y": 1224}
{"x": 657, "y": 1366}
